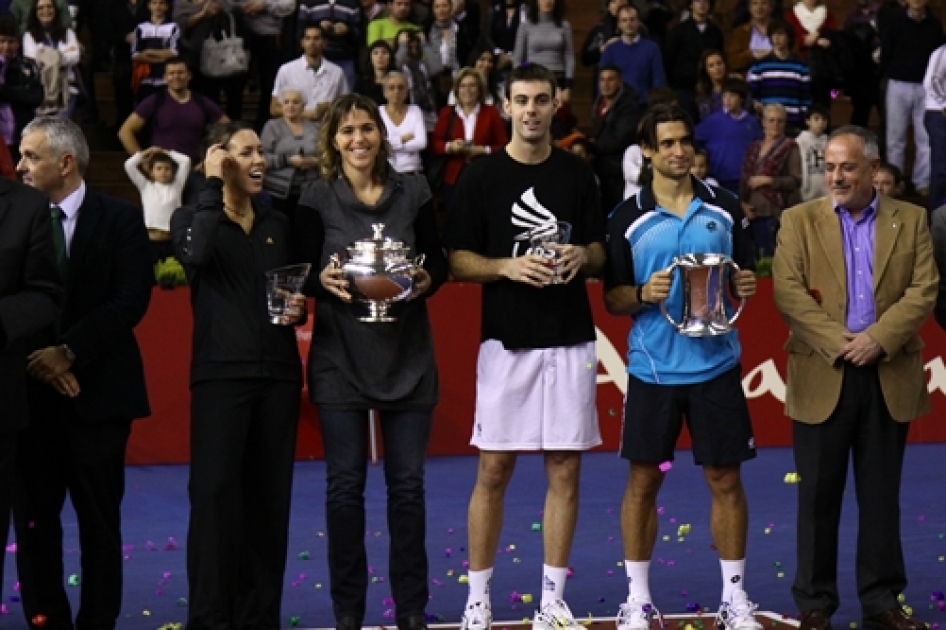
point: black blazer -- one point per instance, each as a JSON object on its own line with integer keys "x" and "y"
{"x": 31, "y": 291}
{"x": 615, "y": 132}
{"x": 107, "y": 293}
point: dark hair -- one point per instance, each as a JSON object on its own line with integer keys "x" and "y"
{"x": 626, "y": 7}
{"x": 492, "y": 79}
{"x": 176, "y": 61}
{"x": 661, "y": 95}
{"x": 704, "y": 85}
{"x": 222, "y": 132}
{"x": 162, "y": 157}
{"x": 737, "y": 87}
{"x": 612, "y": 68}
{"x": 894, "y": 171}
{"x": 529, "y": 73}
{"x": 781, "y": 26}
{"x": 9, "y": 26}
{"x": 367, "y": 69}
{"x": 413, "y": 37}
{"x": 818, "y": 108}
{"x": 306, "y": 26}
{"x": 330, "y": 160}
{"x": 712, "y": 5}
{"x": 167, "y": 13}
{"x": 558, "y": 12}
{"x": 701, "y": 153}
{"x": 657, "y": 115}
{"x": 58, "y": 31}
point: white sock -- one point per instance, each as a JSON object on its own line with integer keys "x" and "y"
{"x": 479, "y": 586}
{"x": 638, "y": 580}
{"x": 733, "y": 577}
{"x": 553, "y": 583}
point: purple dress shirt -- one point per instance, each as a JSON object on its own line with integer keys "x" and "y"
{"x": 857, "y": 238}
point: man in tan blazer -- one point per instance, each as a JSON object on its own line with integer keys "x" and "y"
{"x": 855, "y": 279}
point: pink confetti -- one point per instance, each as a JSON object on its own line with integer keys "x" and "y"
{"x": 11, "y": 548}
{"x": 665, "y": 466}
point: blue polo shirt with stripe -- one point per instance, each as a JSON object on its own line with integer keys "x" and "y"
{"x": 644, "y": 238}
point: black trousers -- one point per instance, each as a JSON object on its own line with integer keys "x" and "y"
{"x": 243, "y": 439}
{"x": 56, "y": 455}
{"x": 860, "y": 427}
{"x": 265, "y": 53}
{"x": 7, "y": 467}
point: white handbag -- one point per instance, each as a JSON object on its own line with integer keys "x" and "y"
{"x": 224, "y": 57}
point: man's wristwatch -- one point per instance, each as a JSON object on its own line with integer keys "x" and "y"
{"x": 640, "y": 296}
{"x": 70, "y": 355}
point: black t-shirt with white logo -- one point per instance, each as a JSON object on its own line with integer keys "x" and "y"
{"x": 495, "y": 203}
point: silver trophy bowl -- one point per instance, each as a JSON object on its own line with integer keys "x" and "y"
{"x": 379, "y": 273}
{"x": 704, "y": 295}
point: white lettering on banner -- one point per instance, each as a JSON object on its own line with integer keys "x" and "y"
{"x": 761, "y": 380}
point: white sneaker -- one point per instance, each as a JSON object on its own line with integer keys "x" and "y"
{"x": 637, "y": 614}
{"x": 477, "y": 616}
{"x": 555, "y": 616}
{"x": 738, "y": 614}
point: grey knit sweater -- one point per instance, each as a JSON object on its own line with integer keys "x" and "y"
{"x": 547, "y": 44}
{"x": 279, "y": 144}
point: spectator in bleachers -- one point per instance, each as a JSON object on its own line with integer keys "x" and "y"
{"x": 451, "y": 40}
{"x": 811, "y": 144}
{"x": 197, "y": 19}
{"x": 468, "y": 130}
{"x": 781, "y": 77}
{"x": 419, "y": 68}
{"x": 502, "y": 24}
{"x": 378, "y": 62}
{"x": 484, "y": 61}
{"x": 615, "y": 115}
{"x": 21, "y": 90}
{"x": 700, "y": 167}
{"x": 599, "y": 37}
{"x": 20, "y": 9}
{"x": 56, "y": 51}
{"x": 888, "y": 180}
{"x": 750, "y": 42}
{"x": 322, "y": 80}
{"x": 815, "y": 32}
{"x": 934, "y": 84}
{"x": 289, "y": 144}
{"x": 545, "y": 38}
{"x": 466, "y": 13}
{"x": 404, "y": 123}
{"x": 371, "y": 10}
{"x": 341, "y": 21}
{"x": 178, "y": 115}
{"x": 153, "y": 43}
{"x": 159, "y": 176}
{"x": 638, "y": 58}
{"x": 711, "y": 73}
{"x": 390, "y": 27}
{"x": 864, "y": 42}
{"x": 906, "y": 48}
{"x": 727, "y": 134}
{"x": 262, "y": 24}
{"x": 771, "y": 177}
{"x": 124, "y": 18}
{"x": 686, "y": 43}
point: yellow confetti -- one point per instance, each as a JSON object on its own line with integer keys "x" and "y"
{"x": 666, "y": 538}
{"x": 768, "y": 530}
{"x": 463, "y": 579}
{"x": 526, "y": 598}
{"x": 901, "y": 598}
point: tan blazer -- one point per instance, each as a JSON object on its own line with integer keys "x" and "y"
{"x": 811, "y": 294}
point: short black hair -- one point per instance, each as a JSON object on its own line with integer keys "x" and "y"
{"x": 612, "y": 67}
{"x": 781, "y": 26}
{"x": 894, "y": 171}
{"x": 9, "y": 26}
{"x": 737, "y": 87}
{"x": 818, "y": 108}
{"x": 657, "y": 115}
{"x": 529, "y": 73}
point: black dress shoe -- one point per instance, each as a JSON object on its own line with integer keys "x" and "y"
{"x": 893, "y": 619}
{"x": 815, "y": 619}
{"x": 412, "y": 622}
{"x": 348, "y": 623}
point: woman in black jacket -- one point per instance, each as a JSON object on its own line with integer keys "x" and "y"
{"x": 246, "y": 378}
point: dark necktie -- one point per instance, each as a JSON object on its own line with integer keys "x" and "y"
{"x": 59, "y": 240}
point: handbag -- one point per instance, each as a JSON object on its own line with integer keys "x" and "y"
{"x": 435, "y": 166}
{"x": 224, "y": 57}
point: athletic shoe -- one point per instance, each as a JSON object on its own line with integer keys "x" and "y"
{"x": 477, "y": 616}
{"x": 555, "y": 616}
{"x": 637, "y": 614}
{"x": 739, "y": 614}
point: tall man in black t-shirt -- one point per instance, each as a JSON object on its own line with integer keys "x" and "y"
{"x": 537, "y": 368}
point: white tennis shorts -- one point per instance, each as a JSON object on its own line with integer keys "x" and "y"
{"x": 536, "y": 399}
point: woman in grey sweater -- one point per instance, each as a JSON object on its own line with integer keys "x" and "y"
{"x": 357, "y": 366}
{"x": 289, "y": 144}
{"x": 546, "y": 38}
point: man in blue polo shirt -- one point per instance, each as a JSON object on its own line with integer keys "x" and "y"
{"x": 672, "y": 376}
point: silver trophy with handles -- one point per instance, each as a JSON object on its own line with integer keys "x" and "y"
{"x": 704, "y": 295}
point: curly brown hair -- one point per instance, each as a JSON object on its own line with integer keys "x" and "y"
{"x": 329, "y": 156}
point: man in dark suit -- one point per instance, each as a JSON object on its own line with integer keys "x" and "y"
{"x": 855, "y": 279}
{"x": 30, "y": 299}
{"x": 87, "y": 386}
{"x": 615, "y": 115}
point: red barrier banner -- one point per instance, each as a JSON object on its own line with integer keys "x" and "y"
{"x": 165, "y": 338}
